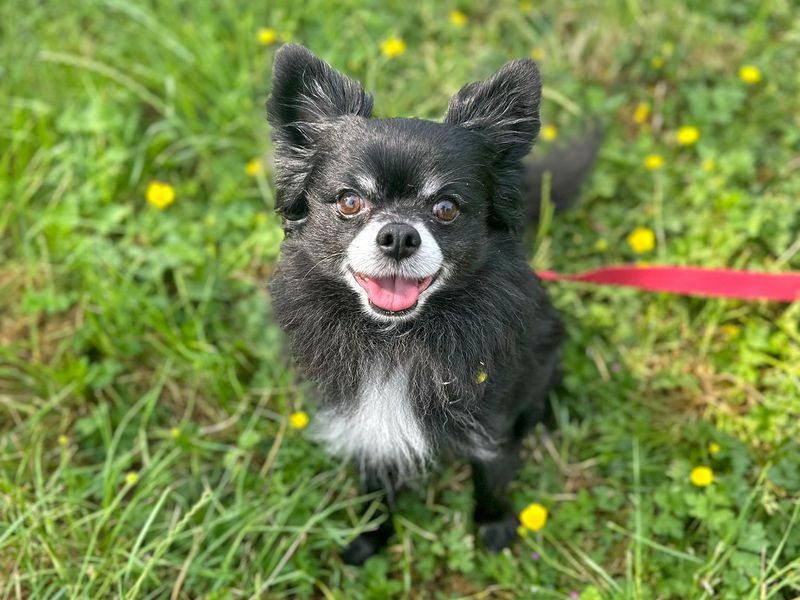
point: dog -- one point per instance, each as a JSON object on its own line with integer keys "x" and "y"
{"x": 403, "y": 286}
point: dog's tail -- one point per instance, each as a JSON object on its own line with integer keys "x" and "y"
{"x": 568, "y": 166}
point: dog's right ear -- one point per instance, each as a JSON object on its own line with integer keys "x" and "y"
{"x": 307, "y": 91}
{"x": 306, "y": 94}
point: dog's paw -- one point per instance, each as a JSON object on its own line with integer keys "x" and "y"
{"x": 496, "y": 535}
{"x": 360, "y": 549}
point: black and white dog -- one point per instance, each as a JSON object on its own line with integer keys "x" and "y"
{"x": 403, "y": 286}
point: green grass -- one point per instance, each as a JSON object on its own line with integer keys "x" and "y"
{"x": 144, "y": 389}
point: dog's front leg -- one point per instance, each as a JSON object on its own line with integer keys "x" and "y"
{"x": 370, "y": 542}
{"x": 496, "y": 521}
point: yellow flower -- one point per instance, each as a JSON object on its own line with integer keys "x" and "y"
{"x": 750, "y": 74}
{"x": 549, "y": 133}
{"x": 160, "y": 194}
{"x": 175, "y": 433}
{"x": 714, "y": 448}
{"x": 298, "y": 420}
{"x": 481, "y": 377}
{"x": 641, "y": 240}
{"x": 709, "y": 165}
{"x": 537, "y": 54}
{"x": 601, "y": 245}
{"x": 731, "y": 330}
{"x": 457, "y": 18}
{"x": 267, "y": 36}
{"x": 687, "y": 135}
{"x": 63, "y": 440}
{"x": 131, "y": 478}
{"x": 653, "y": 162}
{"x": 702, "y": 476}
{"x": 657, "y": 62}
{"x": 533, "y": 516}
{"x": 641, "y": 113}
{"x": 253, "y": 167}
{"x": 393, "y": 46}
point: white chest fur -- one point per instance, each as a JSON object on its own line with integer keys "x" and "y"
{"x": 381, "y": 429}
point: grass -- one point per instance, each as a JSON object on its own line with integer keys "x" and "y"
{"x": 144, "y": 389}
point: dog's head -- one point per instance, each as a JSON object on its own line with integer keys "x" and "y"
{"x": 397, "y": 208}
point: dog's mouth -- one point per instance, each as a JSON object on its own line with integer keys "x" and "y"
{"x": 393, "y": 294}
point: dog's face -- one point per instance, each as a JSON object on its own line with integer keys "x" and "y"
{"x": 397, "y": 209}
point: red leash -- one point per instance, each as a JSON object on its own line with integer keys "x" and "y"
{"x": 693, "y": 281}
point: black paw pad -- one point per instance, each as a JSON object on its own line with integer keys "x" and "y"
{"x": 360, "y": 549}
{"x": 496, "y": 535}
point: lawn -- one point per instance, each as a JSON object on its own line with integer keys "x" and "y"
{"x": 146, "y": 449}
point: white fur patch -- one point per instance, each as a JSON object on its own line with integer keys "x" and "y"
{"x": 381, "y": 430}
{"x": 365, "y": 256}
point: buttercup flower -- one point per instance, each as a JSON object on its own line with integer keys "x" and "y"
{"x": 63, "y": 440}
{"x": 713, "y": 448}
{"x": 687, "y": 135}
{"x": 481, "y": 377}
{"x": 641, "y": 113}
{"x": 457, "y": 18}
{"x": 298, "y": 420}
{"x": 160, "y": 194}
{"x": 641, "y": 240}
{"x": 533, "y": 516}
{"x": 267, "y": 36}
{"x": 549, "y": 133}
{"x": 393, "y": 46}
{"x": 702, "y": 476}
{"x": 731, "y": 330}
{"x": 537, "y": 54}
{"x": 253, "y": 167}
{"x": 131, "y": 478}
{"x": 653, "y": 162}
{"x": 750, "y": 74}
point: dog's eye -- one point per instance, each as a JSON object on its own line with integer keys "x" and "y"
{"x": 445, "y": 210}
{"x": 350, "y": 204}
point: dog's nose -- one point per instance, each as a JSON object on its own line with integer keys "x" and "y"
{"x": 398, "y": 240}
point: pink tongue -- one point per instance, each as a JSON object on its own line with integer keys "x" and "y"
{"x": 392, "y": 293}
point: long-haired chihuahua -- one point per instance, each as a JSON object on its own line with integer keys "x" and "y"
{"x": 403, "y": 286}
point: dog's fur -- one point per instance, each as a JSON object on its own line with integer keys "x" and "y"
{"x": 465, "y": 371}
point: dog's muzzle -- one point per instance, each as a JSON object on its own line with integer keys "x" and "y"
{"x": 393, "y": 266}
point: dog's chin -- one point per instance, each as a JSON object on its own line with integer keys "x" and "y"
{"x": 395, "y": 305}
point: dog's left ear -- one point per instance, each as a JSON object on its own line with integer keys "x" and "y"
{"x": 505, "y": 110}
{"x": 306, "y": 94}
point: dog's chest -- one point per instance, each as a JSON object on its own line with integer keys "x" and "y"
{"x": 381, "y": 429}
